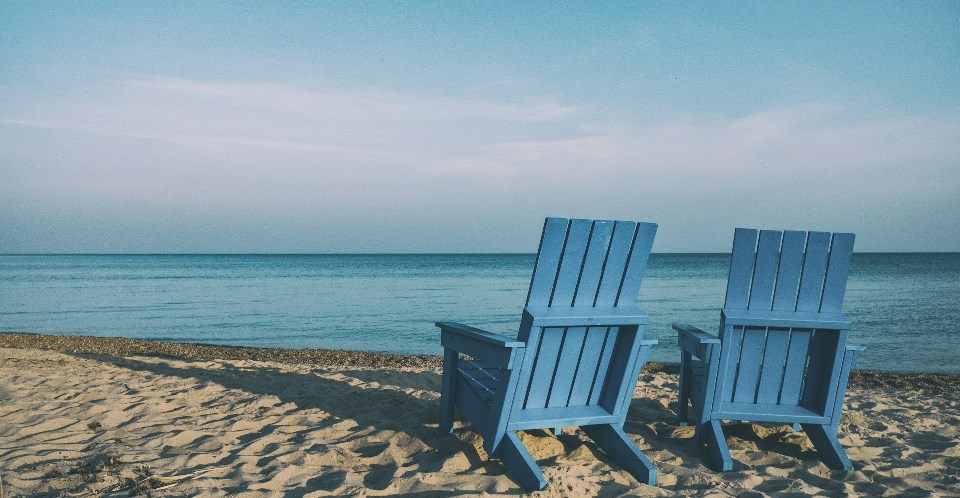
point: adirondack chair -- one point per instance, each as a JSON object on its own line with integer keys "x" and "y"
{"x": 782, "y": 353}
{"x": 576, "y": 358}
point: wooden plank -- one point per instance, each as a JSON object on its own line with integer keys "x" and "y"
{"x": 695, "y": 341}
{"x": 849, "y": 361}
{"x": 578, "y": 316}
{"x": 540, "y": 418}
{"x": 471, "y": 406}
{"x": 790, "y": 319}
{"x": 571, "y": 263}
{"x": 788, "y": 274}
{"x": 741, "y": 268}
{"x": 620, "y": 246}
{"x": 636, "y": 264}
{"x": 548, "y": 261}
{"x": 751, "y": 356}
{"x": 593, "y": 263}
{"x": 704, "y": 404}
{"x": 567, "y": 366}
{"x": 623, "y": 451}
{"x": 476, "y": 334}
{"x": 587, "y": 368}
{"x": 825, "y": 356}
{"x": 765, "y": 270}
{"x": 478, "y": 349}
{"x": 768, "y": 413}
{"x": 683, "y": 391}
{"x": 621, "y": 364}
{"x": 814, "y": 269}
{"x": 517, "y": 459}
{"x": 603, "y": 366}
{"x": 793, "y": 370}
{"x": 824, "y": 439}
{"x": 532, "y": 336}
{"x": 729, "y": 361}
{"x": 448, "y": 393}
{"x": 544, "y": 367}
{"x": 774, "y": 358}
{"x": 641, "y": 349}
{"x": 841, "y": 251}
{"x": 501, "y": 408}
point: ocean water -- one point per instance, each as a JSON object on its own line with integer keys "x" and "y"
{"x": 905, "y": 308}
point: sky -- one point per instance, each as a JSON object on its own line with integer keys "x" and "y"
{"x": 426, "y": 127}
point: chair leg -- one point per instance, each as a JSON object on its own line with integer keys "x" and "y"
{"x": 518, "y": 461}
{"x": 824, "y": 439}
{"x": 557, "y": 431}
{"x": 618, "y": 446}
{"x": 686, "y": 373}
{"x": 717, "y": 445}
{"x": 448, "y": 386}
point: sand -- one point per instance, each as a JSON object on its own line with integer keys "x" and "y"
{"x": 144, "y": 421}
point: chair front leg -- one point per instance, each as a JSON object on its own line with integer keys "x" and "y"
{"x": 683, "y": 399}
{"x": 448, "y": 389}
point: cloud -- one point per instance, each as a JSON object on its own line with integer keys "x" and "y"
{"x": 230, "y": 152}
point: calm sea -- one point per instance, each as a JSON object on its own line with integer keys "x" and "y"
{"x": 905, "y": 308}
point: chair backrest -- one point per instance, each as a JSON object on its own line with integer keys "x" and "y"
{"x": 784, "y": 274}
{"x": 590, "y": 263}
{"x": 788, "y": 270}
{"x": 582, "y": 263}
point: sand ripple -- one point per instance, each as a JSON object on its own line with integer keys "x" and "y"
{"x": 81, "y": 423}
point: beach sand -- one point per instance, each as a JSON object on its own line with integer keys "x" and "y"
{"x": 84, "y": 416}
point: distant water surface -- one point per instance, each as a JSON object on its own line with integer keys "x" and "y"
{"x": 905, "y": 308}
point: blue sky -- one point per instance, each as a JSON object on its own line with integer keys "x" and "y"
{"x": 457, "y": 127}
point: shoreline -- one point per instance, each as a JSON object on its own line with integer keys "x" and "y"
{"x": 125, "y": 347}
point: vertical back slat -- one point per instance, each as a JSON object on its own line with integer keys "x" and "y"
{"x": 788, "y": 275}
{"x": 795, "y": 364}
{"x": 741, "y": 268}
{"x": 587, "y": 369}
{"x": 841, "y": 251}
{"x": 567, "y": 366}
{"x": 751, "y": 355}
{"x": 814, "y": 270}
{"x": 548, "y": 260}
{"x": 544, "y": 367}
{"x": 731, "y": 347}
{"x": 636, "y": 264}
{"x": 603, "y": 366}
{"x": 620, "y": 247}
{"x": 593, "y": 263}
{"x": 822, "y": 354}
{"x": 765, "y": 270}
{"x": 571, "y": 263}
{"x": 771, "y": 374}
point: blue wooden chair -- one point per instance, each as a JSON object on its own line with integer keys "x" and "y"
{"x": 576, "y": 359}
{"x": 782, "y": 352}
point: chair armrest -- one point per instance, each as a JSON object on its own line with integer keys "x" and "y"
{"x": 495, "y": 348}
{"x": 695, "y": 341}
{"x": 479, "y": 335}
{"x": 649, "y": 342}
{"x": 855, "y": 347}
{"x": 584, "y": 316}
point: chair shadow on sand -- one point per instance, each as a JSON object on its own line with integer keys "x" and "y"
{"x": 308, "y": 391}
{"x": 376, "y": 404}
{"x": 648, "y": 419}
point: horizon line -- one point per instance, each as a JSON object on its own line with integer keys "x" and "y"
{"x": 383, "y": 253}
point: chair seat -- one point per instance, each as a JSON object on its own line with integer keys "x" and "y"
{"x": 482, "y": 377}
